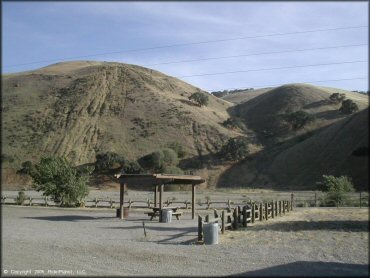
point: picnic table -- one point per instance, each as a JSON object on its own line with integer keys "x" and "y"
{"x": 156, "y": 212}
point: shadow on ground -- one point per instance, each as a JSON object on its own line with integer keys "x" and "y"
{"x": 335, "y": 225}
{"x": 301, "y": 268}
{"x": 178, "y": 235}
{"x": 72, "y": 218}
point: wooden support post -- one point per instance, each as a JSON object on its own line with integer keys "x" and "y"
{"x": 315, "y": 199}
{"x": 253, "y": 212}
{"x": 46, "y": 201}
{"x": 283, "y": 207}
{"x": 155, "y": 195}
{"x": 266, "y": 211}
{"x": 276, "y": 208}
{"x": 223, "y": 222}
{"x": 260, "y": 214}
{"x": 111, "y": 203}
{"x": 200, "y": 228}
{"x": 192, "y": 201}
{"x": 228, "y": 204}
{"x": 186, "y": 204}
{"x": 208, "y": 203}
{"x": 30, "y": 201}
{"x": 215, "y": 213}
{"x": 96, "y": 202}
{"x": 121, "y": 199}
{"x": 245, "y": 216}
{"x": 161, "y": 197}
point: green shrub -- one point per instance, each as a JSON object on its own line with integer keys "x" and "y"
{"x": 235, "y": 149}
{"x": 159, "y": 160}
{"x": 299, "y": 119}
{"x": 337, "y": 97}
{"x": 178, "y": 148}
{"x": 26, "y": 169}
{"x": 172, "y": 170}
{"x": 105, "y": 161}
{"x": 335, "y": 188}
{"x": 348, "y": 107}
{"x": 200, "y": 98}
{"x": 56, "y": 177}
{"x": 21, "y": 197}
{"x": 132, "y": 167}
{"x": 234, "y": 122}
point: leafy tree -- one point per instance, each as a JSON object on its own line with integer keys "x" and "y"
{"x": 337, "y": 97}
{"x": 336, "y": 187}
{"x": 299, "y": 119}
{"x": 235, "y": 149}
{"x": 105, "y": 161}
{"x": 56, "y": 177}
{"x": 348, "y": 107}
{"x": 200, "y": 99}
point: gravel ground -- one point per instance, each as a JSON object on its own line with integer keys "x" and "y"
{"x": 307, "y": 241}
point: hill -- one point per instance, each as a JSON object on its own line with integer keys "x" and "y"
{"x": 78, "y": 109}
{"x": 266, "y": 112}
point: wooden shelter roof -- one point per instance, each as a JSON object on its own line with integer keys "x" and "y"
{"x": 158, "y": 179}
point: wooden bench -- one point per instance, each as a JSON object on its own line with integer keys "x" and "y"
{"x": 155, "y": 214}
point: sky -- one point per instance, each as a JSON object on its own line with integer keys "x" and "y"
{"x": 157, "y": 34}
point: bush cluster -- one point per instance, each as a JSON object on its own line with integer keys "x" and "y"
{"x": 299, "y": 119}
{"x": 235, "y": 149}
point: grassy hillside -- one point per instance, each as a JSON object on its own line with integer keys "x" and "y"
{"x": 79, "y": 109}
{"x": 265, "y": 113}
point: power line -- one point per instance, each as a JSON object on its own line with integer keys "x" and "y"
{"x": 271, "y": 85}
{"x": 255, "y": 54}
{"x": 277, "y": 68}
{"x": 190, "y": 43}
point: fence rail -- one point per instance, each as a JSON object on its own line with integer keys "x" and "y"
{"x": 310, "y": 199}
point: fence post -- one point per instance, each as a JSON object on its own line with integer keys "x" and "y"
{"x": 253, "y": 212}
{"x": 46, "y": 201}
{"x": 111, "y": 203}
{"x": 272, "y": 210}
{"x": 315, "y": 199}
{"x": 129, "y": 203}
{"x": 223, "y": 220}
{"x": 236, "y": 216}
{"x": 276, "y": 208}
{"x": 228, "y": 203}
{"x": 96, "y": 202}
{"x": 360, "y": 201}
{"x": 215, "y": 213}
{"x": 266, "y": 211}
{"x": 200, "y": 228}
{"x": 260, "y": 212}
{"x": 30, "y": 202}
{"x": 291, "y": 201}
{"x": 279, "y": 208}
{"x": 186, "y": 204}
{"x": 245, "y": 216}
{"x": 207, "y": 218}
{"x": 148, "y": 203}
{"x": 283, "y": 207}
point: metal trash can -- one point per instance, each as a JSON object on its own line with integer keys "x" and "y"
{"x": 166, "y": 215}
{"x": 210, "y": 233}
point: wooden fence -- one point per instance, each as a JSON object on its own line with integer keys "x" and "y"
{"x": 233, "y": 219}
{"x": 299, "y": 199}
